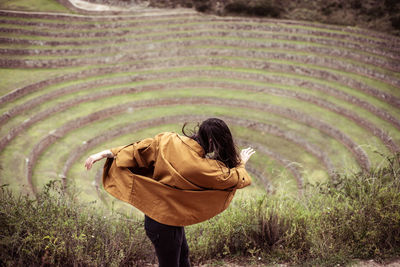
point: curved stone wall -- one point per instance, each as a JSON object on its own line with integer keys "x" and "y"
{"x": 329, "y": 94}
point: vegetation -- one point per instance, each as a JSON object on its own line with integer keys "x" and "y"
{"x": 375, "y": 14}
{"x": 37, "y": 5}
{"x": 55, "y": 229}
{"x": 311, "y": 98}
{"x": 355, "y": 216}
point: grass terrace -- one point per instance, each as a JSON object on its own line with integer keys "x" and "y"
{"x": 320, "y": 103}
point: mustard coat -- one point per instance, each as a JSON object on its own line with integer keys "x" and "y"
{"x": 169, "y": 179}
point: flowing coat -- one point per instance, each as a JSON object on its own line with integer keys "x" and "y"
{"x": 169, "y": 179}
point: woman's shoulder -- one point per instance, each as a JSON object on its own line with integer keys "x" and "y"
{"x": 175, "y": 136}
{"x": 181, "y": 142}
{"x": 166, "y": 135}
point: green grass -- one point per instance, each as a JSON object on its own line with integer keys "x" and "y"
{"x": 86, "y": 178}
{"x": 353, "y": 217}
{"x": 233, "y": 49}
{"x": 16, "y": 78}
{"x": 72, "y": 140}
{"x": 372, "y": 143}
{"x": 59, "y": 119}
{"x": 376, "y": 83}
{"x": 291, "y": 52}
{"x": 356, "y": 217}
{"x": 245, "y": 70}
{"x": 294, "y": 153}
{"x": 202, "y": 23}
{"x": 371, "y": 82}
{"x": 246, "y": 23}
{"x": 104, "y": 22}
{"x": 87, "y": 132}
{"x": 21, "y": 146}
{"x": 332, "y": 217}
{"x": 176, "y": 39}
{"x": 77, "y": 136}
{"x": 258, "y": 116}
{"x": 77, "y": 21}
{"x": 336, "y": 85}
{"x": 201, "y": 38}
{"x": 132, "y": 33}
{"x": 56, "y": 57}
{"x": 325, "y": 115}
{"x": 279, "y": 175}
{"x": 380, "y": 85}
{"x": 37, "y": 5}
{"x": 294, "y": 62}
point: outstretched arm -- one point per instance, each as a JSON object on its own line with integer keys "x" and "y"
{"x": 244, "y": 177}
{"x": 245, "y": 154}
{"x": 96, "y": 157}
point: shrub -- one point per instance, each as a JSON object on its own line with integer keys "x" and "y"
{"x": 353, "y": 216}
{"x": 364, "y": 217}
{"x": 395, "y": 22}
{"x": 262, "y": 8}
{"x": 55, "y": 229}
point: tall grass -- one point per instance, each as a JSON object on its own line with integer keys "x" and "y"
{"x": 56, "y": 229}
{"x": 354, "y": 216}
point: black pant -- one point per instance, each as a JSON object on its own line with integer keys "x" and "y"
{"x": 169, "y": 242}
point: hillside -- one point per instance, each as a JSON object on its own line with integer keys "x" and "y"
{"x": 318, "y": 102}
{"x": 373, "y": 14}
{"x": 313, "y": 99}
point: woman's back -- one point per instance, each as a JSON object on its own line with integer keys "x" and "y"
{"x": 181, "y": 163}
{"x": 172, "y": 181}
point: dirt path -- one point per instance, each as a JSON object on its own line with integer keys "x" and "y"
{"x": 102, "y": 8}
{"x": 93, "y": 7}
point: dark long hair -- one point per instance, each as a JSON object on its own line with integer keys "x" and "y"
{"x": 214, "y": 137}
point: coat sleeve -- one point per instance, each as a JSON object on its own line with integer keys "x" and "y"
{"x": 141, "y": 154}
{"x": 212, "y": 174}
{"x": 244, "y": 177}
{"x": 237, "y": 178}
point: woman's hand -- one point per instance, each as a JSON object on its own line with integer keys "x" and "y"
{"x": 246, "y": 153}
{"x": 96, "y": 157}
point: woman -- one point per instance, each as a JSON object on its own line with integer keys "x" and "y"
{"x": 176, "y": 181}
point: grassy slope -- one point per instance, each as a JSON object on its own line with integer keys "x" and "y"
{"x": 12, "y": 79}
{"x": 329, "y": 225}
{"x": 17, "y": 78}
{"x": 36, "y": 5}
{"x": 323, "y": 227}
